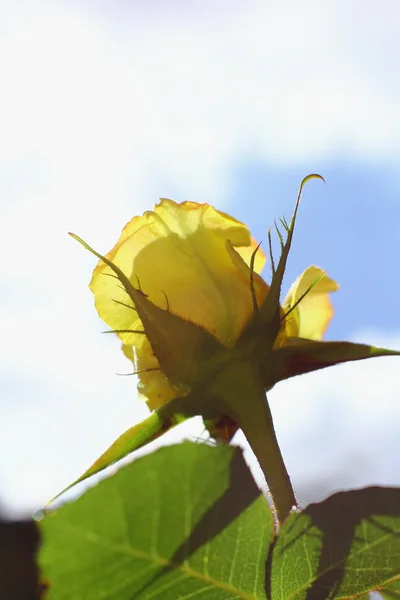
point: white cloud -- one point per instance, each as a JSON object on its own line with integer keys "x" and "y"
{"x": 103, "y": 109}
{"x": 111, "y": 100}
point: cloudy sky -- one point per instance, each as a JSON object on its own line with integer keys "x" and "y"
{"x": 108, "y": 105}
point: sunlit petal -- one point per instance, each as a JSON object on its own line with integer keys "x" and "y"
{"x": 311, "y": 317}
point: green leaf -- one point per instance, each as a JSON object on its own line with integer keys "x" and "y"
{"x": 347, "y": 545}
{"x": 300, "y": 356}
{"x": 391, "y": 591}
{"x": 187, "y": 521}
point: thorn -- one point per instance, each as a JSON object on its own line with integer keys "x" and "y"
{"x": 308, "y": 290}
{"x": 123, "y": 304}
{"x": 284, "y": 223}
{"x": 270, "y": 252}
{"x": 279, "y": 235}
{"x": 252, "y": 288}
{"x": 138, "y": 372}
{"x": 124, "y": 331}
{"x": 166, "y": 299}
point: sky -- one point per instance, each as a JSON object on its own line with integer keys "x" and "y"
{"x": 107, "y": 106}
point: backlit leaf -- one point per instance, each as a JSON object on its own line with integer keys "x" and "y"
{"x": 347, "y": 545}
{"x": 187, "y": 521}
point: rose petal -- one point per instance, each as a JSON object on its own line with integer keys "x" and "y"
{"x": 312, "y": 316}
{"x": 177, "y": 255}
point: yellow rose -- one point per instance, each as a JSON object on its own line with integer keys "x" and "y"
{"x": 190, "y": 259}
{"x": 195, "y": 261}
{"x": 206, "y": 334}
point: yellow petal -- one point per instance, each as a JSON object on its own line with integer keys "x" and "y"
{"x": 312, "y": 315}
{"x": 177, "y": 255}
{"x": 153, "y": 386}
{"x": 189, "y": 259}
{"x": 246, "y": 253}
{"x": 239, "y": 259}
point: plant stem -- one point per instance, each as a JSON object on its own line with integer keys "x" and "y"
{"x": 255, "y": 419}
{"x": 239, "y": 393}
{"x": 262, "y": 439}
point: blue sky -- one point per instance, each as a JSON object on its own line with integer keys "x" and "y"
{"x": 350, "y": 227}
{"x": 107, "y": 106}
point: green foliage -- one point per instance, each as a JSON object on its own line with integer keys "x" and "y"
{"x": 186, "y": 521}
{"x": 160, "y": 421}
{"x": 347, "y": 545}
{"x": 391, "y": 591}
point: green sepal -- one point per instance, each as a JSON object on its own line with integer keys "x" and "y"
{"x": 299, "y": 356}
{"x": 186, "y": 352}
{"x": 269, "y": 314}
{"x": 159, "y": 422}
